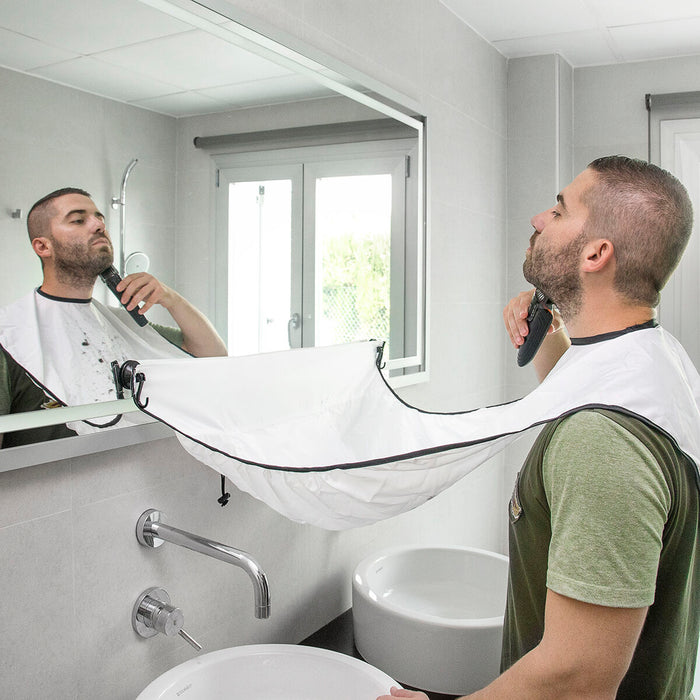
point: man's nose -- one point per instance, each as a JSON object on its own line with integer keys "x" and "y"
{"x": 538, "y": 220}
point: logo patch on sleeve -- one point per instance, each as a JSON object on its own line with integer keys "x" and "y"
{"x": 515, "y": 508}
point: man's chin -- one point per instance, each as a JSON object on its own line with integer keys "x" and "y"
{"x": 527, "y": 273}
{"x": 105, "y": 260}
{"x": 95, "y": 268}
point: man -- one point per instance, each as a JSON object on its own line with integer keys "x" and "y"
{"x": 62, "y": 338}
{"x": 604, "y": 590}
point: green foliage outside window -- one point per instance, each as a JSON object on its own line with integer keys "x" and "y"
{"x": 356, "y": 289}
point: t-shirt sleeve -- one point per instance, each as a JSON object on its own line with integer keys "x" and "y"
{"x": 172, "y": 335}
{"x": 609, "y": 503}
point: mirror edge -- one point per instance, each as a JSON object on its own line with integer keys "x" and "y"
{"x": 80, "y": 445}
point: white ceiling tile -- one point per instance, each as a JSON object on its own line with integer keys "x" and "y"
{"x": 86, "y": 27}
{"x": 193, "y": 60}
{"x": 657, "y": 39}
{"x": 511, "y": 19}
{"x": 99, "y": 78}
{"x": 578, "y": 48}
{"x": 270, "y": 91}
{"x": 181, "y": 104}
{"x": 22, "y": 53}
{"x": 623, "y": 12}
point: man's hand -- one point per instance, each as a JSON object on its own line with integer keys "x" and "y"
{"x": 401, "y": 693}
{"x": 514, "y": 315}
{"x": 199, "y": 336}
{"x": 553, "y": 347}
{"x": 142, "y": 287}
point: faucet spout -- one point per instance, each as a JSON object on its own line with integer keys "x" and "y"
{"x": 150, "y": 532}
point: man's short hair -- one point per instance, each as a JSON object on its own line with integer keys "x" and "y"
{"x": 40, "y": 213}
{"x": 646, "y": 213}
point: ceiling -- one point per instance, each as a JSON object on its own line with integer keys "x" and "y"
{"x": 134, "y": 53}
{"x": 586, "y": 32}
{"x": 129, "y": 51}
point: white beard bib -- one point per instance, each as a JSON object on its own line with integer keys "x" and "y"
{"x": 319, "y": 436}
{"x": 68, "y": 346}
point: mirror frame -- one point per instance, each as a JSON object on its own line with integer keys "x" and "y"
{"x": 249, "y": 32}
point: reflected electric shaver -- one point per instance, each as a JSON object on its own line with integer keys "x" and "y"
{"x": 111, "y": 278}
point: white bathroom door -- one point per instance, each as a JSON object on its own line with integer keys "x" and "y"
{"x": 679, "y": 310}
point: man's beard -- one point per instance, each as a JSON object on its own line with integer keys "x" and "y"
{"x": 78, "y": 264}
{"x": 556, "y": 274}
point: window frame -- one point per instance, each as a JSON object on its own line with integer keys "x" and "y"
{"x": 408, "y": 366}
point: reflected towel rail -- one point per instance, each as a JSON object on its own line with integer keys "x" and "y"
{"x": 64, "y": 414}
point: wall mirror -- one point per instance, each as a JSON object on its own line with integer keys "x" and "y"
{"x": 89, "y": 89}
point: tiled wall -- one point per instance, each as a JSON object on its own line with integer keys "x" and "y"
{"x": 52, "y": 137}
{"x": 540, "y": 149}
{"x": 72, "y": 567}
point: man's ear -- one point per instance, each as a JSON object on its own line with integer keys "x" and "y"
{"x": 42, "y": 247}
{"x": 597, "y": 255}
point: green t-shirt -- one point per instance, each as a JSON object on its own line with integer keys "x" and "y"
{"x": 172, "y": 335}
{"x": 602, "y": 483}
{"x": 18, "y": 393}
{"x": 607, "y": 511}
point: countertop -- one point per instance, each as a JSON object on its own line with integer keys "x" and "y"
{"x": 338, "y": 636}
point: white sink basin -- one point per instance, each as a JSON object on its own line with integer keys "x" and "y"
{"x": 432, "y": 617}
{"x": 270, "y": 672}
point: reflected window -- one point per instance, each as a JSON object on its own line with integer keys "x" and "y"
{"x": 353, "y": 258}
{"x": 259, "y": 261}
{"x": 316, "y": 249}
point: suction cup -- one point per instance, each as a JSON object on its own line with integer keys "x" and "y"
{"x": 136, "y": 262}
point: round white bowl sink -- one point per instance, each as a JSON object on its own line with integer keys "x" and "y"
{"x": 270, "y": 672}
{"x": 432, "y": 617}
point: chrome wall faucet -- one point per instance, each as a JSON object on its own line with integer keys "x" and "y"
{"x": 150, "y": 532}
{"x": 152, "y": 613}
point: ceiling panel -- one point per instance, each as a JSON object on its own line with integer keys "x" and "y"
{"x": 585, "y": 32}
{"x": 511, "y": 19}
{"x": 87, "y": 26}
{"x": 587, "y": 48}
{"x": 267, "y": 91}
{"x": 181, "y": 104}
{"x": 641, "y": 42}
{"x": 613, "y": 13}
{"x": 193, "y": 60}
{"x": 99, "y": 78}
{"x": 23, "y": 53}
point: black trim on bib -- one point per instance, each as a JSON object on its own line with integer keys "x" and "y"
{"x": 66, "y": 300}
{"x": 589, "y": 340}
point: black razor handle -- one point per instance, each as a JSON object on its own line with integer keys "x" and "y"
{"x": 539, "y": 319}
{"x": 111, "y": 278}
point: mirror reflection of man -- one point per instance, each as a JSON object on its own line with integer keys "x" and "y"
{"x": 58, "y": 343}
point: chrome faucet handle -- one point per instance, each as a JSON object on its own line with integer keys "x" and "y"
{"x": 152, "y": 613}
{"x": 192, "y": 642}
